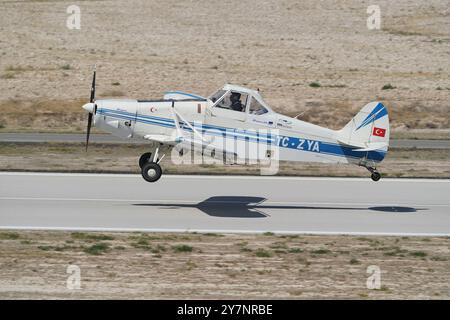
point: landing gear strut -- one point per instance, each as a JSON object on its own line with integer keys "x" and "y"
{"x": 150, "y": 169}
{"x": 375, "y": 175}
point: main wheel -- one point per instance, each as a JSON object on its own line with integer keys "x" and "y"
{"x": 144, "y": 159}
{"x": 151, "y": 172}
{"x": 375, "y": 176}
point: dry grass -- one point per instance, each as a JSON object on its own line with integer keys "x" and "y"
{"x": 120, "y": 158}
{"x": 188, "y": 50}
{"x": 33, "y": 265}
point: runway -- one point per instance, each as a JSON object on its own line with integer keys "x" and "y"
{"x": 234, "y": 204}
{"x": 107, "y": 138}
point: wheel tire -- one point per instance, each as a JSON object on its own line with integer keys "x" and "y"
{"x": 151, "y": 172}
{"x": 144, "y": 159}
{"x": 375, "y": 176}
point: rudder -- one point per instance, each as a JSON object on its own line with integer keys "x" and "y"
{"x": 368, "y": 130}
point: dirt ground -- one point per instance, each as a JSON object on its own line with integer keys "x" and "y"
{"x": 119, "y": 158}
{"x": 34, "y": 264}
{"x": 143, "y": 48}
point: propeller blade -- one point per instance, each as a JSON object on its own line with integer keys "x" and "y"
{"x": 91, "y": 100}
{"x": 93, "y": 89}
{"x": 88, "y": 129}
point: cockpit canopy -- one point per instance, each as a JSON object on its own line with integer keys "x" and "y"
{"x": 239, "y": 99}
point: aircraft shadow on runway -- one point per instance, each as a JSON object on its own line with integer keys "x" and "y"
{"x": 251, "y": 207}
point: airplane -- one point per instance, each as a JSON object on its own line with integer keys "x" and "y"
{"x": 235, "y": 115}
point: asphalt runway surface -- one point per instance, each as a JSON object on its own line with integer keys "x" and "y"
{"x": 106, "y": 138}
{"x": 229, "y": 204}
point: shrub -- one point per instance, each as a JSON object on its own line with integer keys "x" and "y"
{"x": 182, "y": 248}
{"x": 90, "y": 236}
{"x": 420, "y": 254}
{"x": 97, "y": 249}
{"x": 320, "y": 251}
{"x": 388, "y": 87}
{"x": 263, "y": 253}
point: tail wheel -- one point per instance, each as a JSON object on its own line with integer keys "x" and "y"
{"x": 375, "y": 176}
{"x": 151, "y": 172}
{"x": 144, "y": 159}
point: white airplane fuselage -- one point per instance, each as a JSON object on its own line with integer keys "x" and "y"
{"x": 296, "y": 140}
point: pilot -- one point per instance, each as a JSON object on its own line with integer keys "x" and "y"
{"x": 236, "y": 104}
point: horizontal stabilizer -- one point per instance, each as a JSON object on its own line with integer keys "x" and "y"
{"x": 374, "y": 146}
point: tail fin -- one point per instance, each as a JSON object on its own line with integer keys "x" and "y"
{"x": 368, "y": 130}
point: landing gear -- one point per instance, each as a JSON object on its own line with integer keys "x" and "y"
{"x": 375, "y": 176}
{"x": 150, "y": 169}
{"x": 144, "y": 159}
{"x": 151, "y": 172}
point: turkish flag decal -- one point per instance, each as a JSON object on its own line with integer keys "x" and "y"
{"x": 379, "y": 132}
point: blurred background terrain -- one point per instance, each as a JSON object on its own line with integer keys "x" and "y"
{"x": 314, "y": 57}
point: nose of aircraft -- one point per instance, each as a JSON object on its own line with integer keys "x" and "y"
{"x": 89, "y": 107}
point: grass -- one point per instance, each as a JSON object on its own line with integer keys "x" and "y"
{"x": 384, "y": 288}
{"x": 121, "y": 158}
{"x": 182, "y": 248}
{"x": 262, "y": 253}
{"x": 228, "y": 255}
{"x": 336, "y": 86}
{"x": 56, "y": 248}
{"x": 320, "y": 251}
{"x": 97, "y": 249}
{"x": 142, "y": 243}
{"x": 9, "y": 236}
{"x": 315, "y": 85}
{"x": 388, "y": 87}
{"x": 7, "y": 75}
{"x": 90, "y": 236}
{"x": 402, "y": 32}
{"x": 437, "y": 258}
{"x": 66, "y": 67}
{"x": 45, "y": 248}
{"x": 419, "y": 254}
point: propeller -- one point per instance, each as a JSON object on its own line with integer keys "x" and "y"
{"x": 91, "y": 108}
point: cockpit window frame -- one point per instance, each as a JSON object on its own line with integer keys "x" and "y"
{"x": 261, "y": 104}
{"x": 250, "y": 96}
{"x": 220, "y": 99}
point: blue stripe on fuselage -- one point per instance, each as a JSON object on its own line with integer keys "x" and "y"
{"x": 282, "y": 141}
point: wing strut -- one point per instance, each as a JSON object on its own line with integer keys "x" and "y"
{"x": 177, "y": 117}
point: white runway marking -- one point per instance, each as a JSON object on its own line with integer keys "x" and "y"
{"x": 232, "y": 177}
{"x": 224, "y": 231}
{"x": 173, "y": 201}
{"x": 226, "y": 204}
